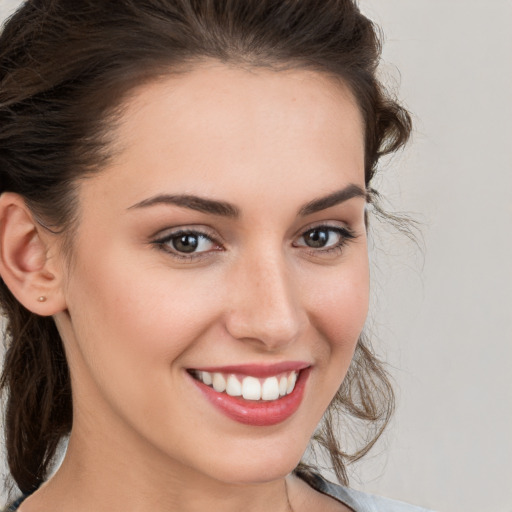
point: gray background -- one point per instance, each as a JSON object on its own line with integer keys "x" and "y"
{"x": 444, "y": 314}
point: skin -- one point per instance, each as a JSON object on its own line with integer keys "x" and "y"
{"x": 134, "y": 317}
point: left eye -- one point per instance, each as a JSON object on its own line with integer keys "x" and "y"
{"x": 324, "y": 237}
{"x": 188, "y": 242}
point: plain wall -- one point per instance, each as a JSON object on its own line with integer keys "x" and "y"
{"x": 444, "y": 315}
{"x": 447, "y": 320}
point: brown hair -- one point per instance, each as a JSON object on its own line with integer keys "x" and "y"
{"x": 65, "y": 67}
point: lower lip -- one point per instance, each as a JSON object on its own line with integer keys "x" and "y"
{"x": 257, "y": 412}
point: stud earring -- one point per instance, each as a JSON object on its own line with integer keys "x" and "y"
{"x": 42, "y": 298}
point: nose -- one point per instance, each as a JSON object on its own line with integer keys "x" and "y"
{"x": 265, "y": 306}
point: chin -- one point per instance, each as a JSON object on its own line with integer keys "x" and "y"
{"x": 251, "y": 472}
{"x": 260, "y": 464}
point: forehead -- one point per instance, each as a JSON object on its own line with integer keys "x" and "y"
{"x": 222, "y": 126}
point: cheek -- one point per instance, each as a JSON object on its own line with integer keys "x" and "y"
{"x": 151, "y": 315}
{"x": 134, "y": 319}
{"x": 340, "y": 304}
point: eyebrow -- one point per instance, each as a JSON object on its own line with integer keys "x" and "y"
{"x": 192, "y": 202}
{"x": 333, "y": 199}
{"x": 225, "y": 209}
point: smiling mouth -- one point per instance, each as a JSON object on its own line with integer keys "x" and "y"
{"x": 252, "y": 394}
{"x": 249, "y": 387}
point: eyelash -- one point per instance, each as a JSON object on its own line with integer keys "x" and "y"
{"x": 346, "y": 235}
{"x": 164, "y": 244}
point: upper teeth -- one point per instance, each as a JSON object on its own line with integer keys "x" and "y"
{"x": 250, "y": 388}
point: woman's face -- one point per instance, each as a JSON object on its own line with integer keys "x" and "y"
{"x": 224, "y": 242}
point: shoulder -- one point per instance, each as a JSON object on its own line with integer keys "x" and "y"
{"x": 356, "y": 500}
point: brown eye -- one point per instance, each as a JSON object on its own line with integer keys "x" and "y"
{"x": 317, "y": 238}
{"x": 325, "y": 238}
{"x": 185, "y": 243}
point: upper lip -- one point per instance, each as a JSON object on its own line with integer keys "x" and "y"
{"x": 256, "y": 370}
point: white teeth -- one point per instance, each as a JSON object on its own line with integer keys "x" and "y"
{"x": 251, "y": 388}
{"x": 283, "y": 385}
{"x": 219, "y": 382}
{"x": 292, "y": 379}
{"x": 233, "y": 387}
{"x": 270, "y": 389}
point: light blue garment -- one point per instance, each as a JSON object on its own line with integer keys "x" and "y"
{"x": 356, "y": 500}
{"x": 14, "y": 506}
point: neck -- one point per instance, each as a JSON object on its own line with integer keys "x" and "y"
{"x": 113, "y": 478}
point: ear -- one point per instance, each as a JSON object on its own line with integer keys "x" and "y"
{"x": 29, "y": 258}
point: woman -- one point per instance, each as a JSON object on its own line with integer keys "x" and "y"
{"x": 183, "y": 211}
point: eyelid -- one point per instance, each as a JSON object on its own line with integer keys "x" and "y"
{"x": 334, "y": 225}
{"x": 346, "y": 234}
{"x": 200, "y": 229}
{"x": 162, "y": 238}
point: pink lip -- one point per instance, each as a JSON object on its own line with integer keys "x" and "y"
{"x": 257, "y": 370}
{"x": 256, "y": 413}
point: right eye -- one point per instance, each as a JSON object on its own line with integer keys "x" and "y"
{"x": 187, "y": 243}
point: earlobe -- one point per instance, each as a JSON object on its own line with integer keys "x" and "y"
{"x": 25, "y": 266}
